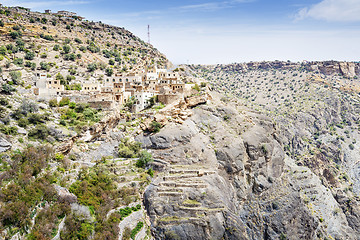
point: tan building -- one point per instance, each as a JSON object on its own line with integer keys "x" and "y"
{"x": 90, "y": 87}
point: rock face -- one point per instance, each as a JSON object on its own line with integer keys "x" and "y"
{"x": 4, "y": 145}
{"x": 227, "y": 177}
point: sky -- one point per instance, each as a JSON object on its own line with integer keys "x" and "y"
{"x": 228, "y": 31}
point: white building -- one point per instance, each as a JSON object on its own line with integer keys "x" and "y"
{"x": 142, "y": 99}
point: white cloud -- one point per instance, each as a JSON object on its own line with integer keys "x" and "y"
{"x": 332, "y": 11}
{"x": 43, "y": 4}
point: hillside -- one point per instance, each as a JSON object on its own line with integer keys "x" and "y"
{"x": 57, "y": 44}
{"x": 316, "y": 112}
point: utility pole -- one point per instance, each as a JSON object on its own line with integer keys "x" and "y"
{"x": 149, "y": 34}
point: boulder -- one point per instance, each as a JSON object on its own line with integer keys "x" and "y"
{"x": 4, "y": 145}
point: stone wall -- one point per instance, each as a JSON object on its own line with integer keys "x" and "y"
{"x": 168, "y": 98}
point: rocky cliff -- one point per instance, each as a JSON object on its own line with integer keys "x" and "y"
{"x": 224, "y": 175}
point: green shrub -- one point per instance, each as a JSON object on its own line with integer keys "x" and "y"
{"x": 92, "y": 67}
{"x": 39, "y": 132}
{"x": 7, "y": 89}
{"x": 155, "y": 127}
{"x": 196, "y": 87}
{"x": 77, "y": 40}
{"x": 72, "y": 105}
{"x": 35, "y": 118}
{"x": 129, "y": 149}
{"x": 29, "y": 55}
{"x": 23, "y": 122}
{"x": 144, "y": 158}
{"x": 109, "y": 72}
{"x": 4, "y": 101}
{"x": 15, "y": 34}
{"x": 19, "y": 62}
{"x": 66, "y": 49}
{"x": 45, "y": 66}
{"x": 15, "y": 76}
{"x": 64, "y": 101}
{"x": 56, "y": 47}
{"x": 8, "y": 130}
{"x": 53, "y": 102}
{"x": 151, "y": 172}
{"x": 136, "y": 230}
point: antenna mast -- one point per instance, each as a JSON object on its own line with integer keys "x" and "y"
{"x": 149, "y": 34}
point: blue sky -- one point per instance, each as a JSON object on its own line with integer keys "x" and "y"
{"x": 209, "y": 32}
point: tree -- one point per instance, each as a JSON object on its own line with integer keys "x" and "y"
{"x": 144, "y": 158}
{"x": 15, "y": 34}
{"x": 29, "y": 55}
{"x": 1, "y": 23}
{"x": 3, "y": 50}
{"x": 66, "y": 49}
{"x": 56, "y": 47}
{"x": 92, "y": 67}
{"x": 19, "y": 62}
{"x": 109, "y": 71}
{"x": 45, "y": 66}
{"x": 59, "y": 77}
{"x": 7, "y": 89}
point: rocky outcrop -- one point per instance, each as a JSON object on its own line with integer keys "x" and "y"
{"x": 4, "y": 145}
{"x": 227, "y": 177}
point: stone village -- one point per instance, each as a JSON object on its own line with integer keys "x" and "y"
{"x": 139, "y": 86}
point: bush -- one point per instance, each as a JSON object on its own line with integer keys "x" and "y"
{"x": 56, "y": 47}
{"x": 7, "y": 89}
{"x": 35, "y": 118}
{"x": 29, "y": 55}
{"x": 15, "y": 76}
{"x": 136, "y": 230}
{"x": 45, "y": 66}
{"x": 155, "y": 127}
{"x": 129, "y": 149}
{"x": 64, "y": 101}
{"x": 66, "y": 49}
{"x": 23, "y": 122}
{"x": 15, "y": 34}
{"x": 39, "y": 132}
{"x": 4, "y": 101}
{"x": 92, "y": 67}
{"x": 77, "y": 40}
{"x": 72, "y": 105}
{"x": 19, "y": 62}
{"x": 31, "y": 65}
{"x": 109, "y": 72}
{"x": 3, "y": 50}
{"x": 8, "y": 130}
{"x": 196, "y": 87}
{"x": 47, "y": 37}
{"x": 144, "y": 158}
